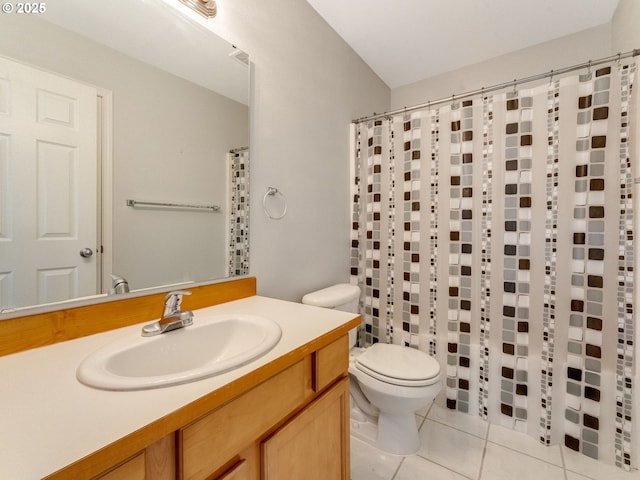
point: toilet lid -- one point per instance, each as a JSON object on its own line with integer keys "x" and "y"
{"x": 399, "y": 365}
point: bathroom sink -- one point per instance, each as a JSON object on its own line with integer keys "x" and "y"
{"x": 212, "y": 345}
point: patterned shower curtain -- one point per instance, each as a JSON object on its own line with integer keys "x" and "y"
{"x": 497, "y": 233}
{"x": 239, "y": 212}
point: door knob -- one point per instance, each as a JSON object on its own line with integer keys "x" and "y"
{"x": 86, "y": 252}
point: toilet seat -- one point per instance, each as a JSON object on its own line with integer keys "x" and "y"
{"x": 398, "y": 365}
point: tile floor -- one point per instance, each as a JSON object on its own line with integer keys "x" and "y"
{"x": 492, "y": 453}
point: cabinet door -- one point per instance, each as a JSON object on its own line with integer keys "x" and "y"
{"x": 314, "y": 445}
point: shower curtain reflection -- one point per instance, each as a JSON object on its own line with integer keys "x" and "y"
{"x": 238, "y": 263}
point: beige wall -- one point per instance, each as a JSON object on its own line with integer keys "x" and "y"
{"x": 625, "y": 26}
{"x": 170, "y": 139}
{"x": 309, "y": 85}
{"x": 580, "y": 47}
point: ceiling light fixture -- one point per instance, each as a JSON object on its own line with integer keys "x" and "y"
{"x": 206, "y": 8}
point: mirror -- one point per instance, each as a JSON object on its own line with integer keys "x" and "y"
{"x": 160, "y": 118}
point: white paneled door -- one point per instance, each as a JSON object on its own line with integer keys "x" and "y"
{"x": 48, "y": 187}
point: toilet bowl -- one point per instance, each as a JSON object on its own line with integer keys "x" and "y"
{"x": 389, "y": 383}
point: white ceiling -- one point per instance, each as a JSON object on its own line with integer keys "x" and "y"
{"x": 405, "y": 41}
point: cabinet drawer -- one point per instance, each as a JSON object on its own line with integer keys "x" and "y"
{"x": 133, "y": 469}
{"x": 207, "y": 444}
{"x": 330, "y": 363}
{"x": 239, "y": 471}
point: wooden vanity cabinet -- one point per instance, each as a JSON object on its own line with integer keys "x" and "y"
{"x": 293, "y": 425}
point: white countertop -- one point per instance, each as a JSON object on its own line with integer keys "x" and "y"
{"x": 48, "y": 419}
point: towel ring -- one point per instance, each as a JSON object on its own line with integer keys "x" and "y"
{"x": 271, "y": 191}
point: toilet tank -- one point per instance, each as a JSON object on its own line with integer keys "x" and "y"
{"x": 343, "y": 297}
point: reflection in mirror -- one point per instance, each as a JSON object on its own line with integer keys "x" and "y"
{"x": 93, "y": 114}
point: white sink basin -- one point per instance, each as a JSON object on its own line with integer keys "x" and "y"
{"x": 212, "y": 345}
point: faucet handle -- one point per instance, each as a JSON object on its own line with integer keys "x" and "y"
{"x": 173, "y": 300}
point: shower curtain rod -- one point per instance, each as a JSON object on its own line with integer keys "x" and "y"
{"x": 631, "y": 53}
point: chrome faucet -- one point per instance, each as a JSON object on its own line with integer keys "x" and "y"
{"x": 118, "y": 285}
{"x": 172, "y": 317}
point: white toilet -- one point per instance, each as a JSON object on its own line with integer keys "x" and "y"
{"x": 389, "y": 383}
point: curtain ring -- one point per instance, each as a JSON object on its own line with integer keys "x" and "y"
{"x": 550, "y": 77}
